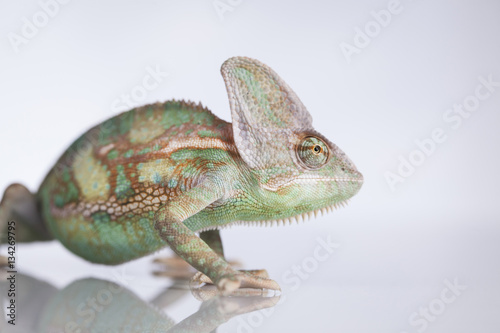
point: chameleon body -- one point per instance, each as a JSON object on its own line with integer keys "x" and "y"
{"x": 157, "y": 175}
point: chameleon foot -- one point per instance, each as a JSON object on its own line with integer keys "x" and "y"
{"x": 176, "y": 268}
{"x": 173, "y": 267}
{"x": 210, "y": 291}
{"x": 254, "y": 279}
{"x": 172, "y": 262}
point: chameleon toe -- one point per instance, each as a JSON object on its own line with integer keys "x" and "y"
{"x": 256, "y": 282}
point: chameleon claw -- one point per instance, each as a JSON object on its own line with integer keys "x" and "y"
{"x": 248, "y": 279}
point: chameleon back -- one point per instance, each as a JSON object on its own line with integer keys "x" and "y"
{"x": 100, "y": 197}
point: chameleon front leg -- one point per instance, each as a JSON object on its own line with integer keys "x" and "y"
{"x": 183, "y": 241}
{"x": 178, "y": 268}
{"x": 213, "y": 239}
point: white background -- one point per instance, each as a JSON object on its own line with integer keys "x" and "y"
{"x": 396, "y": 246}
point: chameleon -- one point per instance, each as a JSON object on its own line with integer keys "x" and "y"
{"x": 173, "y": 174}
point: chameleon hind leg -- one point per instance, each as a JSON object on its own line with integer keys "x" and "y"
{"x": 20, "y": 218}
{"x": 212, "y": 238}
{"x": 169, "y": 222}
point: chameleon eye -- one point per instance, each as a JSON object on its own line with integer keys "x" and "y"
{"x": 312, "y": 152}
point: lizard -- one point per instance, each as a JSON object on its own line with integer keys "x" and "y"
{"x": 173, "y": 174}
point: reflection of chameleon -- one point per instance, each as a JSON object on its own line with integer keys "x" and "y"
{"x": 93, "y": 305}
{"x": 155, "y": 175}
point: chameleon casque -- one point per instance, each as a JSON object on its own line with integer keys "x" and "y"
{"x": 161, "y": 174}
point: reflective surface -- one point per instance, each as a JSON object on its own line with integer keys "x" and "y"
{"x": 94, "y": 305}
{"x": 337, "y": 279}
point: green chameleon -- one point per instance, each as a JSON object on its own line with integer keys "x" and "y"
{"x": 161, "y": 174}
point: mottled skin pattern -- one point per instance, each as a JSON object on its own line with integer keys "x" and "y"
{"x": 153, "y": 176}
{"x": 101, "y": 198}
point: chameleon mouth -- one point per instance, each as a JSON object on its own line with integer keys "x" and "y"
{"x": 281, "y": 222}
{"x": 337, "y": 180}
{"x": 325, "y": 179}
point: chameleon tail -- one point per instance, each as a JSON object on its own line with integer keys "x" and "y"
{"x": 20, "y": 205}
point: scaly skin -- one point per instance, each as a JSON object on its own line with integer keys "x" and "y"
{"x": 155, "y": 175}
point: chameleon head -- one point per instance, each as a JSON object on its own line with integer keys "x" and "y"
{"x": 274, "y": 136}
{"x": 326, "y": 175}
